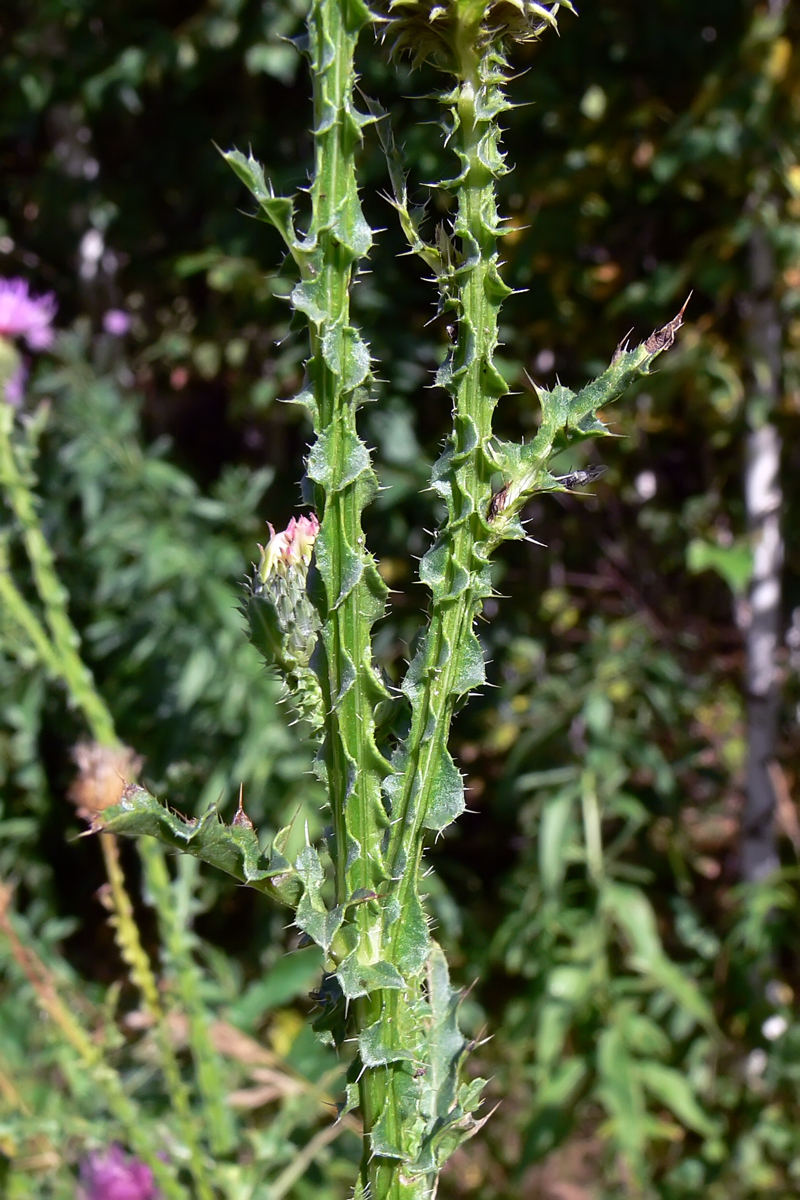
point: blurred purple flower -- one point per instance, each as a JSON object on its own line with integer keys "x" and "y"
{"x": 24, "y": 315}
{"x": 15, "y": 386}
{"x": 116, "y": 322}
{"x": 112, "y": 1175}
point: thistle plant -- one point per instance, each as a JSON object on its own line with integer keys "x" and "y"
{"x": 316, "y": 592}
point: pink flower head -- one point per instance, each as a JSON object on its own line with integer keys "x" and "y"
{"x": 113, "y": 1175}
{"x": 24, "y": 315}
{"x": 301, "y": 533}
{"x": 116, "y": 322}
{"x": 291, "y": 547}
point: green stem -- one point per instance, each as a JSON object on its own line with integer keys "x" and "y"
{"x": 459, "y": 593}
{"x": 65, "y": 643}
{"x": 352, "y": 596}
{"x": 16, "y": 607}
{"x": 438, "y": 675}
{"x": 174, "y": 923}
{"x": 354, "y": 592}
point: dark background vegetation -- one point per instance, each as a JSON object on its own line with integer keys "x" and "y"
{"x": 649, "y": 142}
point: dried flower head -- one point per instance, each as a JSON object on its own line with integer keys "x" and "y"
{"x": 103, "y": 772}
{"x": 113, "y": 1175}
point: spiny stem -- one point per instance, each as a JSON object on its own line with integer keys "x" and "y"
{"x": 352, "y": 595}
{"x": 338, "y": 463}
{"x": 461, "y": 583}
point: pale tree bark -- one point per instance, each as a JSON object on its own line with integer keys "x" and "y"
{"x": 763, "y": 501}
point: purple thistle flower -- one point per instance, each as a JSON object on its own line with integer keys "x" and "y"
{"x": 116, "y": 322}
{"x": 24, "y": 315}
{"x": 112, "y": 1175}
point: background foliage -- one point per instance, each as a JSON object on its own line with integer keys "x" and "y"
{"x": 633, "y": 986}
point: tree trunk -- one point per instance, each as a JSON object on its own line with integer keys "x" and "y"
{"x": 763, "y": 501}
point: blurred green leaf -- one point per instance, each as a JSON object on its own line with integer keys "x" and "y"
{"x": 673, "y": 1090}
{"x": 632, "y": 912}
{"x": 734, "y": 563}
{"x": 291, "y": 976}
{"x": 554, "y": 838}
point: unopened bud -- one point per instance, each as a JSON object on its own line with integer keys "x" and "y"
{"x": 303, "y": 536}
{"x": 291, "y": 547}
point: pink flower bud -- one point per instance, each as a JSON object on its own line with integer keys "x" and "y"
{"x": 302, "y": 533}
{"x": 291, "y": 547}
{"x": 273, "y": 554}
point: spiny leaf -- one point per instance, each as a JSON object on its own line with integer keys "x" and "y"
{"x": 337, "y": 458}
{"x": 447, "y": 802}
{"x": 309, "y": 297}
{"x": 447, "y": 1106}
{"x": 375, "y": 1046}
{"x": 313, "y": 915}
{"x": 232, "y": 848}
{"x": 397, "y": 1131}
{"x": 359, "y": 979}
{"x": 278, "y": 211}
{"x": 346, "y": 353}
{"x": 411, "y": 939}
{"x": 340, "y": 566}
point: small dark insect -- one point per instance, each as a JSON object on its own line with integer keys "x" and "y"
{"x": 497, "y": 503}
{"x": 579, "y": 479}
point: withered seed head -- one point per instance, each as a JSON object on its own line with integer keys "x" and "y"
{"x": 103, "y": 772}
